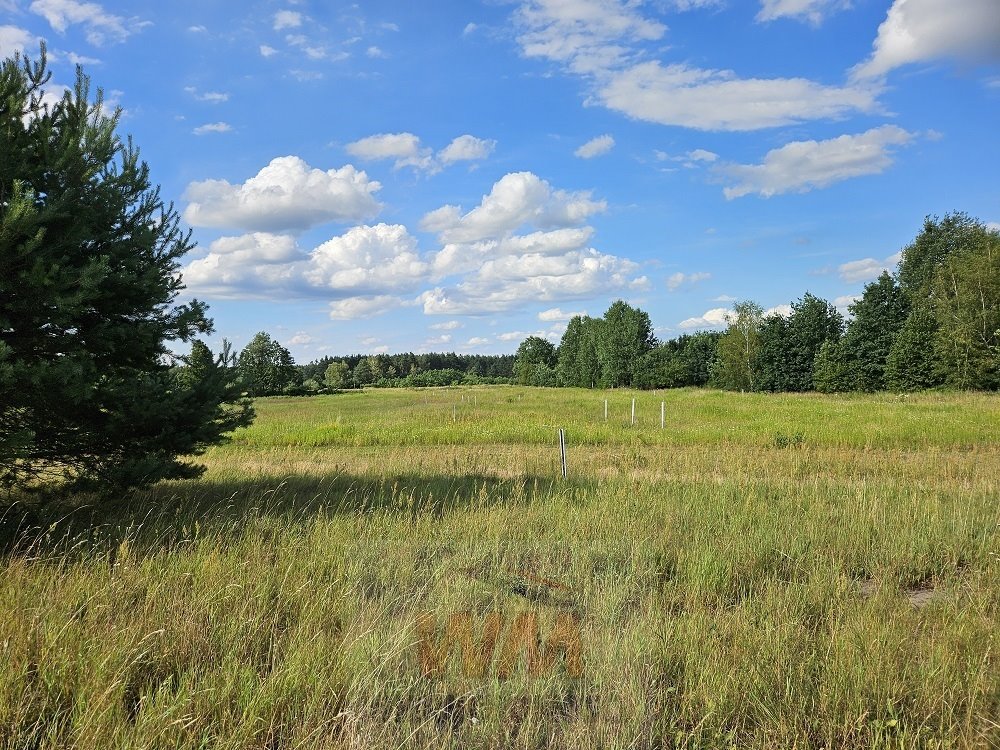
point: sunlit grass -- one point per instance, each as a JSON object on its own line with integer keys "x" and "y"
{"x": 732, "y": 592}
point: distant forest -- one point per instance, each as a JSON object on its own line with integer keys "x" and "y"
{"x": 935, "y": 322}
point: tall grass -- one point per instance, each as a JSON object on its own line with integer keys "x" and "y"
{"x": 733, "y": 589}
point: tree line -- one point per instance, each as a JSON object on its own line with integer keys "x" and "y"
{"x": 266, "y": 368}
{"x": 934, "y": 322}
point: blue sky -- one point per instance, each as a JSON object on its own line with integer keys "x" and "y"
{"x": 399, "y": 176}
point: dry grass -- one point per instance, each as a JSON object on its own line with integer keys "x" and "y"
{"x": 731, "y": 592}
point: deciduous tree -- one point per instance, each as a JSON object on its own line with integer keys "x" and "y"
{"x": 738, "y": 348}
{"x": 878, "y": 318}
{"x": 813, "y": 321}
{"x": 626, "y": 335}
{"x": 966, "y": 304}
{"x": 335, "y": 376}
{"x": 534, "y": 353}
{"x": 265, "y": 367}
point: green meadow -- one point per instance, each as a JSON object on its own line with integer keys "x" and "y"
{"x": 764, "y": 571}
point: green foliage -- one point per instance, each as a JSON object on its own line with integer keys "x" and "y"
{"x": 966, "y": 304}
{"x": 577, "y": 362}
{"x": 698, "y": 353}
{"x": 661, "y": 367}
{"x": 362, "y": 374}
{"x": 878, "y": 318}
{"x": 335, "y": 376}
{"x": 773, "y": 359}
{"x": 831, "y": 371}
{"x": 542, "y": 376}
{"x": 794, "y": 440}
{"x": 739, "y": 348}
{"x": 434, "y": 378}
{"x": 625, "y": 336}
{"x": 938, "y": 239}
{"x": 533, "y": 354}
{"x": 912, "y": 364}
{"x": 89, "y": 255}
{"x": 813, "y": 321}
{"x": 266, "y": 368}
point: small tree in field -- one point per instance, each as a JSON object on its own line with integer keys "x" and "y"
{"x": 534, "y": 360}
{"x": 88, "y": 282}
{"x": 265, "y": 367}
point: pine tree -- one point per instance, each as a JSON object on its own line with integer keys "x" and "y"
{"x": 89, "y": 255}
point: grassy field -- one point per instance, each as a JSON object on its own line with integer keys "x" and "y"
{"x": 793, "y": 571}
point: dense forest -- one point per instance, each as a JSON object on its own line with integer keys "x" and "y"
{"x": 934, "y": 322}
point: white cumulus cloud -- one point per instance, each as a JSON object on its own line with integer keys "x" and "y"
{"x": 404, "y": 148}
{"x": 287, "y": 194}
{"x": 719, "y": 100}
{"x": 408, "y": 151}
{"x": 604, "y": 42}
{"x": 14, "y": 39}
{"x": 354, "y": 308}
{"x": 867, "y": 269}
{"x": 717, "y": 317}
{"x": 522, "y": 244}
{"x": 510, "y": 283}
{"x": 551, "y": 335}
{"x": 917, "y": 30}
{"x": 462, "y": 257}
{"x": 359, "y": 270}
{"x": 555, "y": 315}
{"x": 451, "y": 325}
{"x": 516, "y": 199}
{"x": 805, "y": 165}
{"x": 585, "y": 35}
{"x": 370, "y": 258}
{"x": 466, "y": 148}
{"x": 212, "y": 97}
